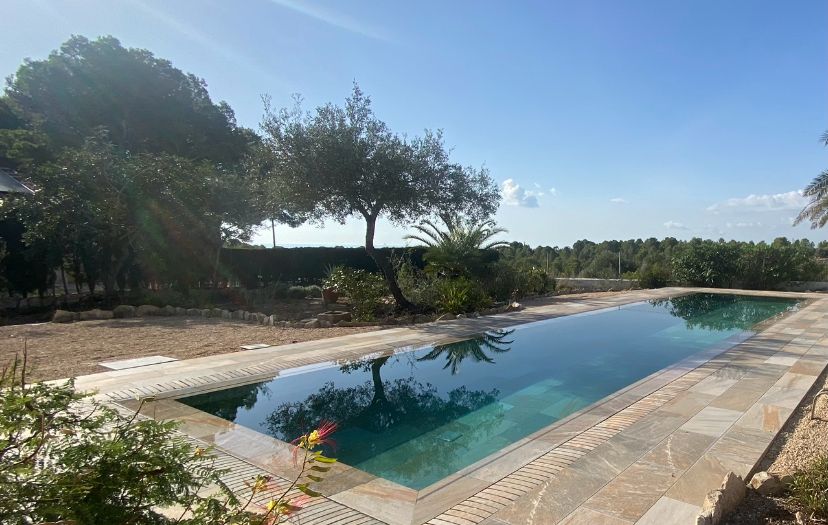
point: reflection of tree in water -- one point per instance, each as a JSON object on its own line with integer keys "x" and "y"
{"x": 476, "y": 348}
{"x": 226, "y": 403}
{"x": 378, "y": 415}
{"x": 722, "y": 312}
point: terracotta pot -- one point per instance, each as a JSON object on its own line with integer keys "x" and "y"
{"x": 329, "y": 295}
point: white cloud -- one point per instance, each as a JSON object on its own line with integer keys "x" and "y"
{"x": 673, "y": 225}
{"x": 792, "y": 200}
{"x": 747, "y": 224}
{"x": 553, "y": 192}
{"x": 619, "y": 200}
{"x": 515, "y": 195}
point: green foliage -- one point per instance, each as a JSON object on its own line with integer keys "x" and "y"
{"x": 364, "y": 290}
{"x": 139, "y": 174}
{"x": 653, "y": 276}
{"x": 257, "y": 268}
{"x": 810, "y": 488}
{"x": 145, "y": 103}
{"x": 707, "y": 263}
{"x": 463, "y": 249}
{"x": 461, "y": 295}
{"x": 509, "y": 280}
{"x": 67, "y": 458}
{"x": 338, "y": 162}
{"x": 816, "y": 212}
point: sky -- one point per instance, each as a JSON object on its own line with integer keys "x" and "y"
{"x": 598, "y": 119}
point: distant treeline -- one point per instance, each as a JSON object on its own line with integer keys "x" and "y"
{"x": 696, "y": 262}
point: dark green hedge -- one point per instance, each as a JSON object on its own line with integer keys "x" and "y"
{"x": 257, "y": 267}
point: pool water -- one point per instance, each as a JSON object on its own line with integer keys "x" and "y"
{"x": 418, "y": 416}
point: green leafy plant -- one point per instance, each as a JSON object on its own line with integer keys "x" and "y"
{"x": 365, "y": 290}
{"x": 461, "y": 295}
{"x": 810, "y": 488}
{"x": 67, "y": 458}
{"x": 463, "y": 249}
{"x": 653, "y": 276}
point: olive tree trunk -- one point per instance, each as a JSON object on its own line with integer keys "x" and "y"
{"x": 385, "y": 266}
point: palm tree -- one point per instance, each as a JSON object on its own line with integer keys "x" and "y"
{"x": 816, "y": 212}
{"x": 459, "y": 249}
{"x": 475, "y": 349}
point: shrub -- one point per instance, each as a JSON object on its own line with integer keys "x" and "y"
{"x": 296, "y": 292}
{"x": 365, "y": 290}
{"x": 653, "y": 276}
{"x": 461, "y": 295}
{"x": 810, "y": 488}
{"x": 507, "y": 281}
{"x": 67, "y": 458}
{"x": 420, "y": 287}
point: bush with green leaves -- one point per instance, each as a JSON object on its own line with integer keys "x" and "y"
{"x": 66, "y": 458}
{"x": 365, "y": 290}
{"x": 461, "y": 295}
{"x": 810, "y": 488}
{"x": 653, "y": 276}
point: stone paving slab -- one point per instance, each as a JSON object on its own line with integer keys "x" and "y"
{"x": 710, "y": 412}
{"x": 137, "y": 362}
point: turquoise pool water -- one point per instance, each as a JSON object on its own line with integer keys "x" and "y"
{"x": 418, "y": 416}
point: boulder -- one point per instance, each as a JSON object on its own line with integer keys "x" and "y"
{"x": 225, "y": 314}
{"x": 460, "y": 316}
{"x": 514, "y": 307}
{"x": 179, "y": 310}
{"x": 193, "y": 312}
{"x": 205, "y": 312}
{"x": 270, "y": 321}
{"x": 447, "y": 317}
{"x": 334, "y": 316}
{"x": 146, "y": 310}
{"x": 168, "y": 310}
{"x": 245, "y": 315}
{"x": 312, "y": 324}
{"x": 767, "y": 484}
{"x": 721, "y": 502}
{"x": 64, "y": 316}
{"x": 216, "y": 312}
{"x": 237, "y": 314}
{"x": 124, "y": 310}
{"x": 95, "y": 314}
{"x": 325, "y": 324}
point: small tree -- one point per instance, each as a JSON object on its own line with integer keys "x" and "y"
{"x": 340, "y": 162}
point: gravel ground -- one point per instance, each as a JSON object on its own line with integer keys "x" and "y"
{"x": 801, "y": 442}
{"x": 65, "y": 350}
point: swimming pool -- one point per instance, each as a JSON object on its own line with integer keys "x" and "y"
{"x": 418, "y": 416}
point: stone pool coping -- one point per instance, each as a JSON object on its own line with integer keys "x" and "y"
{"x": 576, "y": 464}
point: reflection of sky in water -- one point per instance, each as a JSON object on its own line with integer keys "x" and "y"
{"x": 418, "y": 416}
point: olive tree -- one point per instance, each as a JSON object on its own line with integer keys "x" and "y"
{"x": 340, "y": 162}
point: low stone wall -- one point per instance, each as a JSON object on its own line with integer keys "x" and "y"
{"x": 804, "y": 286}
{"x": 595, "y": 285}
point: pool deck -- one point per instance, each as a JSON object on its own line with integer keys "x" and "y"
{"x": 647, "y": 454}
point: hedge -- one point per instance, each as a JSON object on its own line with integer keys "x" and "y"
{"x": 258, "y": 267}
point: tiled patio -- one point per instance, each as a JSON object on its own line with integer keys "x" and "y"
{"x": 646, "y": 454}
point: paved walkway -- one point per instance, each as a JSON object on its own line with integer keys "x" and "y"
{"x": 646, "y": 454}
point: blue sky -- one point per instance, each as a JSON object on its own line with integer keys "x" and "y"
{"x": 600, "y": 119}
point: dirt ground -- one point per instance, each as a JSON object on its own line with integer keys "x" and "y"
{"x": 65, "y": 350}
{"x": 801, "y": 442}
